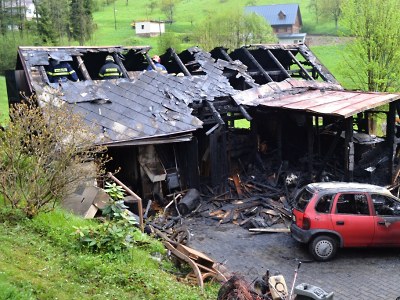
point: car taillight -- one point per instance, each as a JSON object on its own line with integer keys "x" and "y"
{"x": 306, "y": 223}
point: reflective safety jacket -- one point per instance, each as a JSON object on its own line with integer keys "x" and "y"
{"x": 110, "y": 70}
{"x": 61, "y": 72}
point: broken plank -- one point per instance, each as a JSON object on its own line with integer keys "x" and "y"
{"x": 270, "y": 230}
{"x": 236, "y": 181}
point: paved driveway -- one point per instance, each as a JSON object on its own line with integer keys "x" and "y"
{"x": 353, "y": 274}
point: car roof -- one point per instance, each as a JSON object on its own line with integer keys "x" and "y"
{"x": 348, "y": 187}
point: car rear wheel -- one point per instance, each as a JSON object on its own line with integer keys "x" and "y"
{"x": 323, "y": 247}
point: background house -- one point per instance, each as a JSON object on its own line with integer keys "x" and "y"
{"x": 149, "y": 28}
{"x": 17, "y": 8}
{"x": 285, "y": 20}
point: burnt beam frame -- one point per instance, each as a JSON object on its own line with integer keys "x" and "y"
{"x": 257, "y": 64}
{"x": 300, "y": 66}
{"x": 121, "y": 65}
{"x": 180, "y": 63}
{"x": 271, "y": 55}
{"x": 82, "y": 68}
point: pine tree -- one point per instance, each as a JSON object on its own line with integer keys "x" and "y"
{"x": 81, "y": 20}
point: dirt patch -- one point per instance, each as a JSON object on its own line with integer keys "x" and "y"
{"x": 325, "y": 40}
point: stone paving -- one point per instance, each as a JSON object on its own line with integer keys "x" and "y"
{"x": 353, "y": 274}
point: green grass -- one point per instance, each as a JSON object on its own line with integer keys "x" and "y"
{"x": 39, "y": 259}
{"x": 332, "y": 56}
{"x": 116, "y": 30}
{"x": 3, "y": 101}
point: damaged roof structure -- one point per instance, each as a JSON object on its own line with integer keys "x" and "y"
{"x": 178, "y": 130}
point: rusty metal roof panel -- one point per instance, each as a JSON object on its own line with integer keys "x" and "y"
{"x": 315, "y": 97}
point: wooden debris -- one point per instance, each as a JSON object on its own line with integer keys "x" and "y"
{"x": 270, "y": 230}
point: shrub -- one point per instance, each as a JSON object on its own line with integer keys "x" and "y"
{"x": 118, "y": 232}
{"x": 42, "y": 155}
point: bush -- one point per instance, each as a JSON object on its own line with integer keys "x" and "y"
{"x": 118, "y": 232}
{"x": 43, "y": 155}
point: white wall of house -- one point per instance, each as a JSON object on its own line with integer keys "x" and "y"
{"x": 30, "y": 12}
{"x": 149, "y": 28}
{"x": 298, "y": 38}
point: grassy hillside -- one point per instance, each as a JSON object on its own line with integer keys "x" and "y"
{"x": 39, "y": 259}
{"x": 117, "y": 30}
{"x": 3, "y": 100}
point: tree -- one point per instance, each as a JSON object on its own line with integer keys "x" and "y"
{"x": 46, "y": 28}
{"x": 314, "y": 7}
{"x": 169, "y": 40}
{"x": 42, "y": 151}
{"x": 232, "y": 30}
{"x": 330, "y": 9}
{"x": 374, "y": 54}
{"x": 81, "y": 20}
{"x": 151, "y": 5}
{"x": 168, "y": 8}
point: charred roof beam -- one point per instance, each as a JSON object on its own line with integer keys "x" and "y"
{"x": 245, "y": 113}
{"x": 225, "y": 54}
{"x": 150, "y": 61}
{"x": 256, "y": 63}
{"x": 121, "y": 65}
{"x": 317, "y": 66}
{"x": 180, "y": 63}
{"x": 82, "y": 68}
{"x": 215, "y": 113}
{"x": 300, "y": 66}
{"x": 43, "y": 74}
{"x": 278, "y": 63}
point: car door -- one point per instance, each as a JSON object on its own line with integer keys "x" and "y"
{"x": 352, "y": 219}
{"x": 387, "y": 220}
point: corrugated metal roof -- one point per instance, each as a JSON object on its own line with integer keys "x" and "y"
{"x": 316, "y": 97}
{"x": 271, "y": 13}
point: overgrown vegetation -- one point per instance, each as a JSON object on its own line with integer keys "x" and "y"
{"x": 374, "y": 54}
{"x": 117, "y": 232}
{"x": 232, "y": 30}
{"x": 41, "y": 155}
{"x": 39, "y": 259}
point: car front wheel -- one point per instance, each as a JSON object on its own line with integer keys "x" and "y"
{"x": 323, "y": 248}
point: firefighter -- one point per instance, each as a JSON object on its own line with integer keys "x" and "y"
{"x": 60, "y": 71}
{"x": 110, "y": 70}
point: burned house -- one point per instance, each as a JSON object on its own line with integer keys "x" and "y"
{"x": 179, "y": 130}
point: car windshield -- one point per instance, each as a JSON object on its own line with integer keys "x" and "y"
{"x": 302, "y": 199}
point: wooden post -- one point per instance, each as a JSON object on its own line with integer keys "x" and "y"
{"x": 349, "y": 150}
{"x": 82, "y": 67}
{"x": 136, "y": 198}
{"x": 390, "y": 137}
{"x": 310, "y": 139}
{"x": 279, "y": 136}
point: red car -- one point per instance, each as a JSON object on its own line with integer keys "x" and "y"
{"x": 329, "y": 215}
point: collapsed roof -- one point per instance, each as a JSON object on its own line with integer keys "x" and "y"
{"x": 147, "y": 106}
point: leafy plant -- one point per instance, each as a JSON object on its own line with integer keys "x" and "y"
{"x": 118, "y": 232}
{"x": 115, "y": 191}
